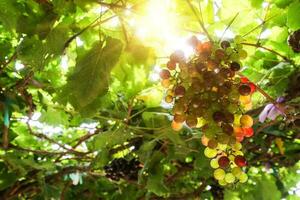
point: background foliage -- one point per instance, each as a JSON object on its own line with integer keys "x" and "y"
{"x": 78, "y": 85}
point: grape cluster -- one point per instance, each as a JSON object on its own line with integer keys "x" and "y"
{"x": 294, "y": 41}
{"x": 122, "y": 168}
{"x": 208, "y": 93}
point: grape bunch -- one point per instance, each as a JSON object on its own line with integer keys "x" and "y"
{"x": 207, "y": 92}
{"x": 122, "y": 168}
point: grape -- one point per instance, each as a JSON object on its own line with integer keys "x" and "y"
{"x": 234, "y": 66}
{"x": 222, "y": 182}
{"x": 205, "y": 87}
{"x": 227, "y": 128}
{"x": 214, "y": 163}
{"x": 166, "y": 83}
{"x": 223, "y": 161}
{"x": 210, "y": 153}
{"x": 245, "y": 99}
{"x": 229, "y": 178}
{"x": 236, "y": 171}
{"x": 179, "y": 118}
{"x": 243, "y": 54}
{"x": 212, "y": 144}
{"x": 179, "y": 90}
{"x": 248, "y": 132}
{"x": 218, "y": 116}
{"x": 243, "y": 177}
{"x": 244, "y": 89}
{"x": 240, "y": 161}
{"x": 164, "y": 74}
{"x": 237, "y": 146}
{"x": 219, "y": 174}
{"x": 248, "y": 106}
{"x": 191, "y": 121}
{"x": 171, "y": 65}
{"x": 229, "y": 117}
{"x": 179, "y": 109}
{"x": 222, "y": 146}
{"x": 204, "y": 140}
{"x": 176, "y": 126}
{"x": 220, "y": 54}
{"x": 169, "y": 99}
{"x": 246, "y": 121}
{"x": 225, "y": 44}
{"x": 193, "y": 41}
{"x": 177, "y": 56}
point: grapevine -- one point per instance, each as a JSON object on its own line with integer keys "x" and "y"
{"x": 208, "y": 93}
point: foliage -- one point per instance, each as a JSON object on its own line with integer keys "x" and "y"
{"x": 78, "y": 89}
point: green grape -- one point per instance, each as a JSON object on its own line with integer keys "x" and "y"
{"x": 237, "y": 172}
{"x": 238, "y": 153}
{"x": 222, "y": 182}
{"x": 243, "y": 54}
{"x": 231, "y": 157}
{"x": 229, "y": 178}
{"x": 210, "y": 153}
{"x": 219, "y": 174}
{"x": 243, "y": 177}
{"x": 214, "y": 163}
{"x": 238, "y": 39}
{"x": 237, "y": 146}
{"x": 222, "y": 147}
{"x": 223, "y": 139}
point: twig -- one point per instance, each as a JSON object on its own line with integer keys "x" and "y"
{"x": 14, "y": 56}
{"x": 199, "y": 20}
{"x": 268, "y": 49}
{"x": 228, "y": 26}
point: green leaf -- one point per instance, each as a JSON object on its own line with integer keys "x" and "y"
{"x": 293, "y": 21}
{"x": 90, "y": 78}
{"x": 109, "y": 139}
{"x": 8, "y": 14}
{"x": 54, "y": 117}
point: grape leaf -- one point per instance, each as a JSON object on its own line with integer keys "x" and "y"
{"x": 90, "y": 78}
{"x": 293, "y": 21}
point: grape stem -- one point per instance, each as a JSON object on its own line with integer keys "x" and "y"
{"x": 267, "y": 96}
{"x": 268, "y": 49}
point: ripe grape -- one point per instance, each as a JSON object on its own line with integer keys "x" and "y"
{"x": 219, "y": 174}
{"x": 210, "y": 153}
{"x": 234, "y": 66}
{"x": 168, "y": 99}
{"x": 191, "y": 121}
{"x": 218, "y": 116}
{"x": 204, "y": 140}
{"x": 223, "y": 161}
{"x": 176, "y": 126}
{"x": 240, "y": 161}
{"x": 246, "y": 121}
{"x": 164, "y": 74}
{"x": 177, "y": 56}
{"x": 244, "y": 89}
{"x": 245, "y": 99}
{"x": 179, "y": 118}
{"x": 248, "y": 132}
{"x": 227, "y": 128}
{"x": 193, "y": 41}
{"x": 179, "y": 90}
{"x": 212, "y": 144}
{"x": 225, "y": 44}
{"x": 237, "y": 146}
{"x": 171, "y": 65}
{"x": 166, "y": 83}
